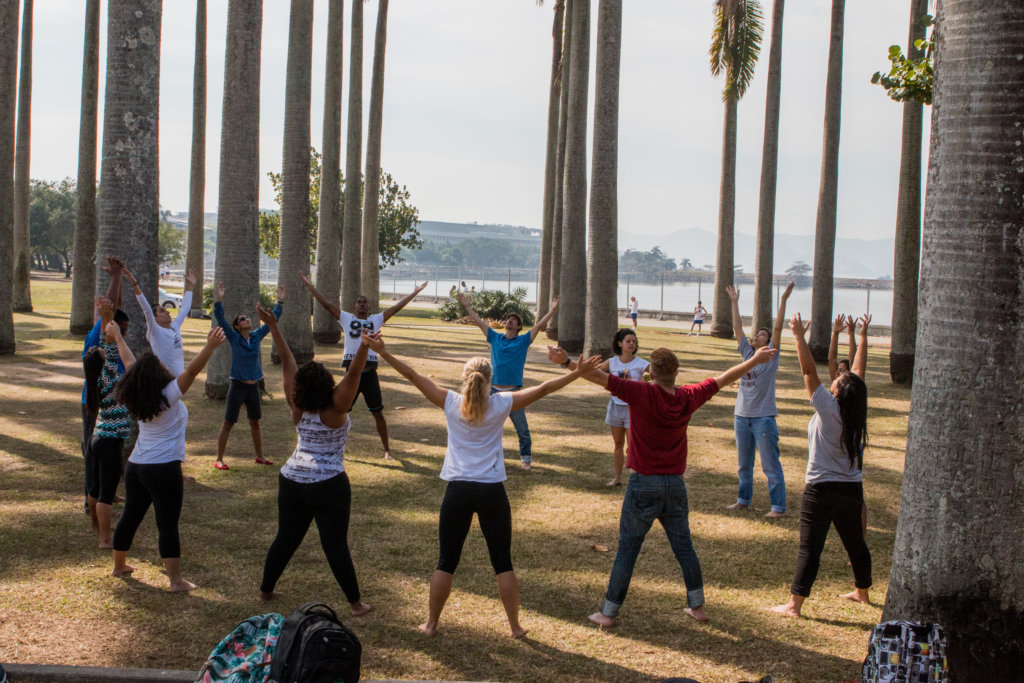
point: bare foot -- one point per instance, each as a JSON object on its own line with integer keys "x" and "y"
{"x": 387, "y": 455}
{"x": 106, "y": 543}
{"x": 786, "y": 610}
{"x": 773, "y": 514}
{"x": 122, "y": 571}
{"x": 358, "y": 609}
{"x": 182, "y": 586}
{"x": 525, "y": 466}
{"x": 697, "y": 613}
{"x": 268, "y": 596}
{"x": 614, "y": 482}
{"x": 858, "y": 595}
{"x": 518, "y": 632}
{"x": 601, "y": 620}
{"x": 427, "y": 629}
{"x": 737, "y": 506}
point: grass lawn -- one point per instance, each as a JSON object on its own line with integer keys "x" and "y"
{"x": 58, "y": 604}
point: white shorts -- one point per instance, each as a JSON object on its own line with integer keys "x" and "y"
{"x": 617, "y": 415}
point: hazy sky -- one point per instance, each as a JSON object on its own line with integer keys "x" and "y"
{"x": 465, "y": 108}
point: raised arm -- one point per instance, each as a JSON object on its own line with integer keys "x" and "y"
{"x": 762, "y": 355}
{"x": 860, "y": 361}
{"x": 262, "y": 330}
{"x": 147, "y": 310}
{"x": 434, "y": 393}
{"x": 833, "y": 346}
{"x": 214, "y": 339}
{"x": 464, "y": 300}
{"x": 218, "y": 312}
{"x": 288, "y": 366}
{"x": 737, "y": 321}
{"x": 404, "y": 301}
{"x": 524, "y": 397}
{"x": 113, "y": 331}
{"x": 186, "y": 300}
{"x": 781, "y": 316}
{"x": 543, "y": 322}
{"x": 803, "y": 352}
{"x": 851, "y": 329}
{"x": 114, "y": 266}
{"x": 345, "y": 391}
{"x": 331, "y": 307}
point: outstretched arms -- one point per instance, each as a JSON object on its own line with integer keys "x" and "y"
{"x": 186, "y": 300}
{"x": 214, "y": 339}
{"x": 331, "y": 307}
{"x": 781, "y": 316}
{"x": 762, "y": 355}
{"x": 433, "y": 393}
{"x": 860, "y": 361}
{"x": 833, "y": 346}
{"x": 543, "y": 322}
{"x": 524, "y": 397}
{"x": 737, "y": 321}
{"x": 403, "y": 302}
{"x": 113, "y": 332}
{"x": 464, "y": 300}
{"x": 288, "y": 366}
{"x": 803, "y": 352}
{"x": 851, "y": 329}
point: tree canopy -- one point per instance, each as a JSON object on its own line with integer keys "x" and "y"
{"x": 650, "y": 262}
{"x": 910, "y": 78}
{"x": 51, "y": 216}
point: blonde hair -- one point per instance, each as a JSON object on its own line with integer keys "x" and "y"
{"x": 664, "y": 363}
{"x": 476, "y": 389}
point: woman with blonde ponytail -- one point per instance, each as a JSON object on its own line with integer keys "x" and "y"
{"x": 474, "y": 467}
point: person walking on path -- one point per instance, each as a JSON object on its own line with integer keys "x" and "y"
{"x": 755, "y": 412}
{"x": 698, "y": 318}
{"x": 313, "y": 483}
{"x": 153, "y": 396}
{"x": 834, "y": 494}
{"x": 634, "y": 309}
{"x": 246, "y": 373}
{"x": 352, "y": 327}
{"x": 659, "y": 413}
{"x": 474, "y": 467}
{"x": 508, "y": 359}
{"x": 162, "y": 333}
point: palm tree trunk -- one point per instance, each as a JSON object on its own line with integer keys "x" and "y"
{"x": 554, "y": 90}
{"x": 957, "y": 552}
{"x": 555, "y": 273}
{"x": 22, "y": 147}
{"x": 194, "y": 257}
{"x": 8, "y": 85}
{"x": 83, "y": 283}
{"x": 351, "y": 227}
{"x": 721, "y": 321}
{"x": 907, "y": 251}
{"x": 602, "y": 243}
{"x": 295, "y": 323}
{"x": 328, "y": 234}
{"x": 825, "y": 224}
{"x": 764, "y": 273}
{"x": 370, "y": 250}
{"x": 238, "y": 254}
{"x": 129, "y": 214}
{"x": 572, "y": 309}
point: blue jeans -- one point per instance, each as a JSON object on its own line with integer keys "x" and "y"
{"x": 518, "y": 418}
{"x": 764, "y": 433}
{"x": 652, "y": 497}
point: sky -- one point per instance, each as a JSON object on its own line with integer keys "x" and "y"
{"x": 465, "y": 109}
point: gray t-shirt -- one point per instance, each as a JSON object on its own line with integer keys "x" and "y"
{"x": 827, "y": 459}
{"x": 756, "y": 397}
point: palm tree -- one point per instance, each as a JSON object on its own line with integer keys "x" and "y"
{"x": 194, "y": 257}
{"x": 351, "y": 226}
{"x": 370, "y": 262}
{"x": 957, "y": 551}
{"x": 572, "y": 310}
{"x": 83, "y": 283}
{"x": 22, "y": 146}
{"x": 764, "y": 263}
{"x": 294, "y": 250}
{"x": 602, "y": 243}
{"x": 825, "y": 224}
{"x": 129, "y": 207}
{"x": 907, "y": 250}
{"x": 8, "y": 81}
{"x": 735, "y": 47}
{"x": 565, "y": 68}
{"x": 328, "y": 236}
{"x": 238, "y": 256}
{"x": 554, "y": 90}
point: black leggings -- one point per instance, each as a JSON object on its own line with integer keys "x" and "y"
{"x": 160, "y": 485}
{"x": 103, "y": 468}
{"x": 329, "y": 502}
{"x": 824, "y": 504}
{"x": 490, "y": 503}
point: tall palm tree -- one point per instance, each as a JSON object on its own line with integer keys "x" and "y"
{"x": 83, "y": 282}
{"x": 907, "y": 250}
{"x": 238, "y": 255}
{"x": 8, "y": 84}
{"x": 572, "y": 310}
{"x": 602, "y": 243}
{"x": 328, "y": 235}
{"x": 763, "y": 275}
{"x": 194, "y": 256}
{"x": 555, "y": 271}
{"x": 554, "y": 90}
{"x": 370, "y": 250}
{"x": 129, "y": 212}
{"x": 735, "y": 47}
{"x": 22, "y": 146}
{"x": 294, "y": 252}
{"x": 351, "y": 226}
{"x": 825, "y": 223}
{"x": 957, "y": 552}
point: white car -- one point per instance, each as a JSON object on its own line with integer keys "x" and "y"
{"x": 168, "y": 300}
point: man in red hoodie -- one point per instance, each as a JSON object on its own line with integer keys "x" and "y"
{"x": 658, "y": 415}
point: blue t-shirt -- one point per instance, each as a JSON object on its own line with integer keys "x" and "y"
{"x": 93, "y": 339}
{"x": 508, "y": 357}
{"x": 245, "y": 353}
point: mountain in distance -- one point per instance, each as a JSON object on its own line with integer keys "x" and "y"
{"x": 855, "y": 258}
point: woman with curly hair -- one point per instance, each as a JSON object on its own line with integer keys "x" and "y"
{"x": 313, "y": 483}
{"x": 153, "y": 396}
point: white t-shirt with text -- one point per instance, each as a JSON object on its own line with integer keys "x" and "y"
{"x": 352, "y": 328}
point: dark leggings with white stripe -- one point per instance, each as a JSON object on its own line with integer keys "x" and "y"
{"x": 161, "y": 486}
{"x": 490, "y": 503}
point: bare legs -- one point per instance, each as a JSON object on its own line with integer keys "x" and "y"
{"x": 121, "y": 566}
{"x": 100, "y": 514}
{"x": 257, "y": 443}
{"x": 382, "y": 431}
{"x": 222, "y": 443}
{"x": 441, "y": 588}
{"x": 172, "y": 566}
{"x": 619, "y": 435}
{"x": 508, "y": 591}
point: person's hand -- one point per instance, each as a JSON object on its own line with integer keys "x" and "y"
{"x": 764, "y": 354}
{"x": 557, "y": 354}
{"x": 305, "y": 279}
{"x": 851, "y": 324}
{"x": 128, "y": 274}
{"x": 585, "y": 366}
{"x": 463, "y": 299}
{"x": 865, "y": 320}
{"x": 789, "y": 290}
{"x": 190, "y": 278}
{"x": 280, "y": 293}
{"x": 733, "y": 293}
{"x": 114, "y": 265}
{"x": 798, "y": 326}
{"x": 374, "y": 341}
{"x": 554, "y": 303}
{"x": 215, "y": 338}
{"x": 105, "y": 306}
{"x": 421, "y": 287}
{"x": 218, "y": 291}
{"x": 265, "y": 315}
{"x": 112, "y": 329}
{"x": 839, "y": 324}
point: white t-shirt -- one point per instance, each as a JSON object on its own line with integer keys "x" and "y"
{"x": 634, "y": 306}
{"x": 166, "y": 341}
{"x": 698, "y": 314}
{"x": 634, "y": 369}
{"x": 474, "y": 451}
{"x": 162, "y": 439}
{"x": 827, "y": 459}
{"x": 352, "y": 327}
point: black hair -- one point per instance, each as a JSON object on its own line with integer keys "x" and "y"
{"x": 513, "y": 314}
{"x": 120, "y": 316}
{"x": 852, "y": 396}
{"x": 154, "y": 307}
{"x": 92, "y": 363}
{"x": 234, "y": 323}
{"x": 314, "y": 387}
{"x": 141, "y": 387}
{"x": 766, "y": 330}
{"x": 620, "y": 336}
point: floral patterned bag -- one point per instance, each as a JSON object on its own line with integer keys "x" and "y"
{"x": 245, "y": 654}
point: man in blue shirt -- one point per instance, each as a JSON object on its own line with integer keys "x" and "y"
{"x": 508, "y": 358}
{"x": 246, "y": 373}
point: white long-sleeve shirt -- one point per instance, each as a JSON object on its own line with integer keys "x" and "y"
{"x": 166, "y": 341}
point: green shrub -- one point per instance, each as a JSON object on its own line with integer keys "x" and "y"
{"x": 268, "y": 296}
{"x": 492, "y": 304}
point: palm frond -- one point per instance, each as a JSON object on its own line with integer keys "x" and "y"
{"x": 744, "y": 48}
{"x": 719, "y": 35}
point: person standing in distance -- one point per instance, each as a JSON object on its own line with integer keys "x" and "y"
{"x": 634, "y": 309}
{"x": 698, "y": 318}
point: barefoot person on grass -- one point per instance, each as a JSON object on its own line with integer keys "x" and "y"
{"x": 474, "y": 467}
{"x": 659, "y": 413}
{"x": 162, "y": 333}
{"x": 246, "y": 373}
{"x": 834, "y": 493}
{"x": 153, "y": 396}
{"x": 352, "y": 327}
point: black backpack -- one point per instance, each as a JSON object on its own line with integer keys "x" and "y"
{"x": 315, "y": 647}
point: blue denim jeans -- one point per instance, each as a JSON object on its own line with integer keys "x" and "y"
{"x": 652, "y": 497}
{"x": 764, "y": 433}
{"x": 518, "y": 418}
